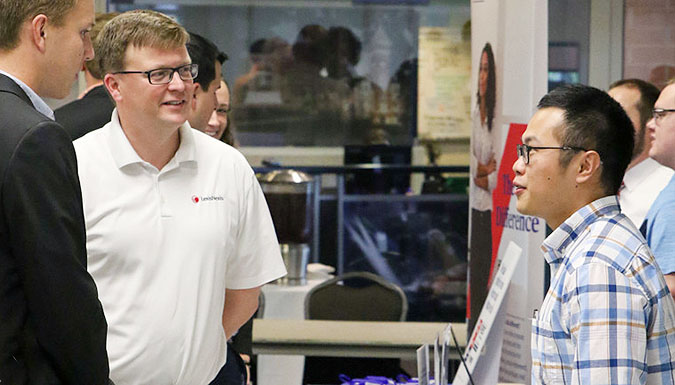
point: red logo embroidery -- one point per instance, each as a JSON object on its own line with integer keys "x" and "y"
{"x": 195, "y": 199}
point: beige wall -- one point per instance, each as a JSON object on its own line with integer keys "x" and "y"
{"x": 649, "y": 38}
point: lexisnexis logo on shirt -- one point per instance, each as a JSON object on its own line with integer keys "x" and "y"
{"x": 209, "y": 198}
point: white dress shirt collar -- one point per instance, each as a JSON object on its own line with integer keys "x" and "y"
{"x": 37, "y": 101}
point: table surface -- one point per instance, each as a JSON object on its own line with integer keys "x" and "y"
{"x": 348, "y": 338}
{"x": 285, "y": 302}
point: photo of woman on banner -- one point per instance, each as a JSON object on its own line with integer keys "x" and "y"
{"x": 484, "y": 168}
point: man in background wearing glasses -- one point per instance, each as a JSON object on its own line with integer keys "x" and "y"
{"x": 645, "y": 177}
{"x": 179, "y": 237}
{"x": 658, "y": 225}
{"x": 607, "y": 317}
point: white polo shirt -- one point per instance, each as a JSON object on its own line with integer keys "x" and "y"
{"x": 642, "y": 184}
{"x": 164, "y": 245}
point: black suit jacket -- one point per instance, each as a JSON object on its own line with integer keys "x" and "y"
{"x": 52, "y": 328}
{"x": 84, "y": 115}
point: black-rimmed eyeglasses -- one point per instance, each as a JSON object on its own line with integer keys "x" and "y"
{"x": 524, "y": 150}
{"x": 165, "y": 75}
{"x": 659, "y": 113}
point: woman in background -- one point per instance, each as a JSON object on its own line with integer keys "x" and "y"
{"x": 220, "y": 125}
{"x": 484, "y": 179}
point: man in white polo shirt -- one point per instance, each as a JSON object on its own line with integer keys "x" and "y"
{"x": 179, "y": 236}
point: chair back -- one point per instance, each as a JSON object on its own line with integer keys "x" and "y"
{"x": 356, "y": 296}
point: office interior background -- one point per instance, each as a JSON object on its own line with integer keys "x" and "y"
{"x": 359, "y": 105}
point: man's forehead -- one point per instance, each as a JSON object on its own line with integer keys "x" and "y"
{"x": 157, "y": 56}
{"x": 667, "y": 97}
{"x": 544, "y": 125}
{"x": 625, "y": 95}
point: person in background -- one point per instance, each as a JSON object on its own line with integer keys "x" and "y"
{"x": 93, "y": 108}
{"x": 210, "y": 60}
{"x": 52, "y": 327}
{"x": 645, "y": 177}
{"x": 484, "y": 180}
{"x": 342, "y": 52}
{"x": 179, "y": 237}
{"x": 220, "y": 125}
{"x": 244, "y": 82}
{"x": 269, "y": 60}
{"x": 608, "y": 317}
{"x": 658, "y": 225}
{"x": 206, "y": 104}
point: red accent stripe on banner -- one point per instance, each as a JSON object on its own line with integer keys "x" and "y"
{"x": 501, "y": 196}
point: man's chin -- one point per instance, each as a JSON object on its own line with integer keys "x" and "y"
{"x": 56, "y": 94}
{"x": 522, "y": 208}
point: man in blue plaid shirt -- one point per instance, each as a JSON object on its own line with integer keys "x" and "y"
{"x": 608, "y": 317}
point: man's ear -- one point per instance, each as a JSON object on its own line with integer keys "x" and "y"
{"x": 38, "y": 32}
{"x": 587, "y": 166}
{"x": 193, "y": 104}
{"x": 113, "y": 87}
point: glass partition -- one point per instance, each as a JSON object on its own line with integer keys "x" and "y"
{"x": 319, "y": 73}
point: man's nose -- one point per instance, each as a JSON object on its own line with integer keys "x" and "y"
{"x": 88, "y": 49}
{"x": 519, "y": 166}
{"x": 176, "y": 82}
{"x": 651, "y": 124}
{"x": 213, "y": 120}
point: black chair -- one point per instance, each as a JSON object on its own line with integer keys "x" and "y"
{"x": 357, "y": 296}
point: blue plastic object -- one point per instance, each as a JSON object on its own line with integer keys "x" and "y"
{"x": 378, "y": 380}
{"x": 369, "y": 380}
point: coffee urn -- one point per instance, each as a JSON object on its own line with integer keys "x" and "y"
{"x": 290, "y": 197}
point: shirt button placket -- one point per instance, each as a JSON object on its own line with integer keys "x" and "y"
{"x": 165, "y": 210}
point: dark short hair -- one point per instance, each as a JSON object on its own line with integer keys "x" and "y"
{"x": 341, "y": 41}
{"x": 648, "y": 96}
{"x": 595, "y": 121}
{"x": 257, "y": 47}
{"x": 309, "y": 45}
{"x": 203, "y": 52}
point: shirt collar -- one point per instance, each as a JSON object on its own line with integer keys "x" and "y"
{"x": 124, "y": 154}
{"x": 637, "y": 174}
{"x": 37, "y": 101}
{"x": 556, "y": 243}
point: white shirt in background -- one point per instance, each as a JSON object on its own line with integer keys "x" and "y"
{"x": 642, "y": 184}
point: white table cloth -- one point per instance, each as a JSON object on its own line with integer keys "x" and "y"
{"x": 285, "y": 302}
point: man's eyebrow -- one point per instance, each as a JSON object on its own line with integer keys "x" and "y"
{"x": 528, "y": 139}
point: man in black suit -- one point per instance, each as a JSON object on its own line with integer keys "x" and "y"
{"x": 93, "y": 109}
{"x": 52, "y": 327}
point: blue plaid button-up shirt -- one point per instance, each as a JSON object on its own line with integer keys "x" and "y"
{"x": 608, "y": 317}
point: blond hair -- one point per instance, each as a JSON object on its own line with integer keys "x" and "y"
{"x": 15, "y": 12}
{"x": 139, "y": 28}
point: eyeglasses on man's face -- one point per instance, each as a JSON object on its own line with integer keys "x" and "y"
{"x": 660, "y": 113}
{"x": 158, "y": 76}
{"x": 524, "y": 150}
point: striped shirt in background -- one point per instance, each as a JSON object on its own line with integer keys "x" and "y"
{"x": 608, "y": 317}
